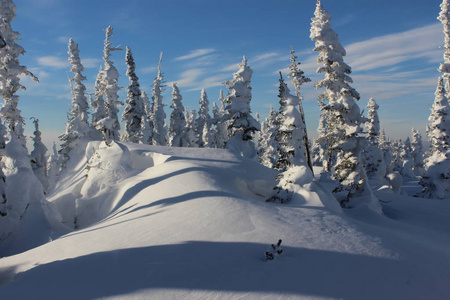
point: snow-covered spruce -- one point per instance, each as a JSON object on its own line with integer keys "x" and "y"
{"x": 407, "y": 160}
{"x": 373, "y": 155}
{"x": 77, "y": 130}
{"x": 330, "y": 56}
{"x": 11, "y": 71}
{"x": 134, "y": 111}
{"x": 221, "y": 135}
{"x": 190, "y": 124}
{"x": 177, "y": 127}
{"x": 38, "y": 157}
{"x": 436, "y": 179}
{"x": 290, "y": 140}
{"x": 203, "y": 121}
{"x": 109, "y": 126}
{"x": 241, "y": 123}
{"x": 299, "y": 79}
{"x": 146, "y": 133}
{"x": 344, "y": 132}
{"x": 267, "y": 144}
{"x": 158, "y": 115}
{"x": 385, "y": 145}
{"x": 3, "y": 198}
{"x": 98, "y": 105}
{"x": 417, "y": 152}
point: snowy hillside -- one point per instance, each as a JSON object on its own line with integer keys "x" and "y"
{"x": 187, "y": 223}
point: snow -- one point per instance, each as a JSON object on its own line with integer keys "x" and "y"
{"x": 191, "y": 223}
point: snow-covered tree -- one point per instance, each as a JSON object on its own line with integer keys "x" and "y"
{"x": 417, "y": 152}
{"x": 221, "y": 136}
{"x": 396, "y": 152}
{"x": 207, "y": 139}
{"x": 77, "y": 127}
{"x": 146, "y": 133}
{"x": 242, "y": 125}
{"x": 290, "y": 143}
{"x": 98, "y": 105}
{"x": 215, "y": 120}
{"x": 38, "y": 157}
{"x": 3, "y": 198}
{"x": 134, "y": 111}
{"x": 202, "y": 119}
{"x": 177, "y": 127}
{"x": 373, "y": 155}
{"x": 385, "y": 145}
{"x": 190, "y": 124}
{"x": 110, "y": 126}
{"x": 11, "y": 71}
{"x": 267, "y": 144}
{"x": 407, "y": 160}
{"x": 299, "y": 79}
{"x": 53, "y": 167}
{"x": 345, "y": 119}
{"x": 158, "y": 115}
{"x": 436, "y": 180}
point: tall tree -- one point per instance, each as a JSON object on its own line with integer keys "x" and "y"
{"x": 290, "y": 140}
{"x": 98, "y": 105}
{"x": 39, "y": 157}
{"x": 77, "y": 126}
{"x": 267, "y": 143}
{"x": 203, "y": 118}
{"x": 373, "y": 155}
{"x": 134, "y": 106}
{"x": 3, "y": 198}
{"x": 299, "y": 79}
{"x": 146, "y": 134}
{"x": 11, "y": 71}
{"x": 344, "y": 122}
{"x": 177, "y": 127}
{"x": 158, "y": 115}
{"x": 221, "y": 123}
{"x": 110, "y": 126}
{"x": 241, "y": 123}
{"x": 417, "y": 152}
{"x": 190, "y": 124}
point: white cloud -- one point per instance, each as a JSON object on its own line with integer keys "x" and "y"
{"x": 189, "y": 77}
{"x": 148, "y": 70}
{"x": 195, "y": 53}
{"x": 53, "y": 61}
{"x": 392, "y": 49}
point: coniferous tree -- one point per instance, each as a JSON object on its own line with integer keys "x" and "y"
{"x": 267, "y": 143}
{"x": 396, "y": 151}
{"x": 216, "y": 117}
{"x": 38, "y": 157}
{"x": 3, "y": 198}
{"x": 134, "y": 111}
{"x": 436, "y": 179}
{"x": 11, "y": 71}
{"x": 16, "y": 160}
{"x": 77, "y": 126}
{"x": 158, "y": 115}
{"x": 146, "y": 133}
{"x": 207, "y": 139}
{"x": 241, "y": 123}
{"x": 110, "y": 126}
{"x": 221, "y": 124}
{"x": 407, "y": 160}
{"x": 417, "y": 152}
{"x": 385, "y": 145}
{"x": 177, "y": 128}
{"x": 202, "y": 119}
{"x": 345, "y": 119}
{"x": 190, "y": 124}
{"x": 98, "y": 105}
{"x": 290, "y": 140}
{"x": 299, "y": 79}
{"x": 53, "y": 167}
{"x": 373, "y": 155}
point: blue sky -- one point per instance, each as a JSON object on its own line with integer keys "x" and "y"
{"x": 393, "y": 48}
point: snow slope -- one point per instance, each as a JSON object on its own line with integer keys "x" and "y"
{"x": 180, "y": 223}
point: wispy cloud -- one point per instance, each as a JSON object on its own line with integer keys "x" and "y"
{"x": 53, "y": 61}
{"x": 393, "y": 49}
{"x": 189, "y": 78}
{"x": 91, "y": 62}
{"x": 195, "y": 53}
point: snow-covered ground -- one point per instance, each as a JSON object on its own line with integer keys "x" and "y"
{"x": 180, "y": 223}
